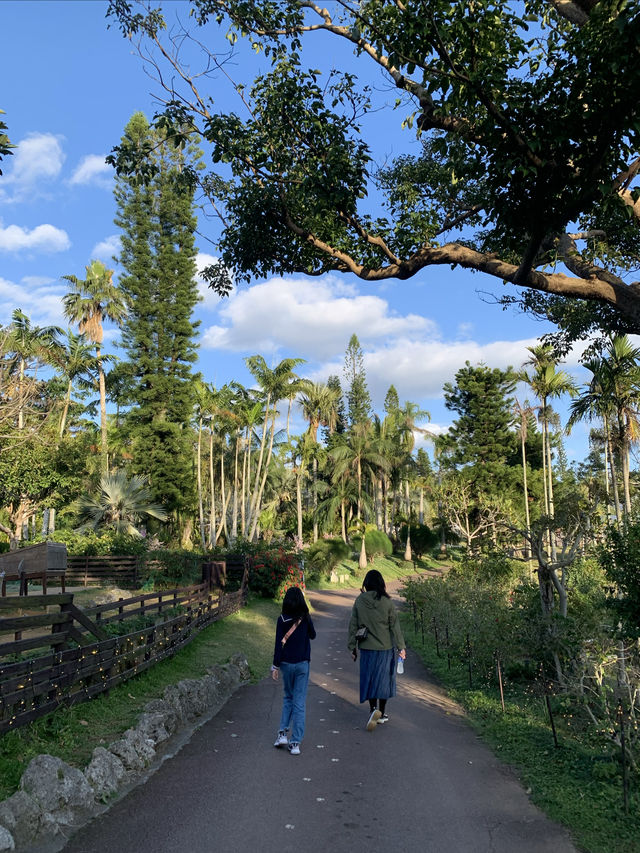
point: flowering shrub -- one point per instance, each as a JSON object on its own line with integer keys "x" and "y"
{"x": 272, "y": 572}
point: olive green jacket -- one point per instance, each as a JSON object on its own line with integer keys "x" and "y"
{"x": 381, "y": 619}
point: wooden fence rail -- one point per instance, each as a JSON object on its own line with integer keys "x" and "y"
{"x": 128, "y": 569}
{"x": 78, "y": 659}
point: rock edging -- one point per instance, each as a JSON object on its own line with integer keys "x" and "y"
{"x": 55, "y": 798}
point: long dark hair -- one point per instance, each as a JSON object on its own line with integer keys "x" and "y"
{"x": 374, "y": 582}
{"x": 294, "y": 604}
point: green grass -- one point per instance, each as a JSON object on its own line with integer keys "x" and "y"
{"x": 73, "y": 733}
{"x": 578, "y": 784}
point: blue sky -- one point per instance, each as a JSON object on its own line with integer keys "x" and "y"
{"x": 69, "y": 87}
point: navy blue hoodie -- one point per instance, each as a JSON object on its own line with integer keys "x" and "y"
{"x": 297, "y": 648}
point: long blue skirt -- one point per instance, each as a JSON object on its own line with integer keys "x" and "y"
{"x": 377, "y": 674}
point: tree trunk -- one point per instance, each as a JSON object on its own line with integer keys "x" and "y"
{"x": 21, "y": 396}
{"x": 314, "y": 497}
{"x": 624, "y": 460}
{"x": 199, "y": 485}
{"x": 223, "y": 498}
{"x": 212, "y": 490}
{"x": 256, "y": 510}
{"x": 185, "y": 539}
{"x": 299, "y": 502}
{"x": 407, "y": 550}
{"x": 253, "y": 501}
{"x": 65, "y": 411}
{"x": 234, "y": 511}
{"x": 103, "y": 414}
{"x": 527, "y": 553}
{"x": 362, "y": 562}
{"x": 385, "y": 507}
{"x": 246, "y": 459}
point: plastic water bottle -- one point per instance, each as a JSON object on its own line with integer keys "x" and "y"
{"x": 400, "y": 666}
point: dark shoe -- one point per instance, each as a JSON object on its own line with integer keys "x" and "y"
{"x": 373, "y": 720}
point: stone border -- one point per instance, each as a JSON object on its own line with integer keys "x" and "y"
{"x": 55, "y": 799}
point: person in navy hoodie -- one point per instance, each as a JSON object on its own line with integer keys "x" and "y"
{"x": 291, "y": 656}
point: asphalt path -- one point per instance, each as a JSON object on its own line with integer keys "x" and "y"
{"x": 421, "y": 782}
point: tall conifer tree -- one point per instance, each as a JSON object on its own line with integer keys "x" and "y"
{"x": 482, "y": 438}
{"x": 158, "y": 259}
{"x": 358, "y": 397}
{"x": 333, "y": 382}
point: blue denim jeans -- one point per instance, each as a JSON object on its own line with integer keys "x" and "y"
{"x": 295, "y": 677}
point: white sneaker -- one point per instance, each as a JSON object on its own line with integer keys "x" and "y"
{"x": 281, "y": 740}
{"x": 372, "y": 722}
{"x": 294, "y": 748}
{"x": 383, "y": 719}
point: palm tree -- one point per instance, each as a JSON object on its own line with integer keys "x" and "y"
{"x": 523, "y": 413}
{"x": 120, "y": 505}
{"x": 547, "y": 383}
{"x": 319, "y": 405}
{"x": 408, "y": 416}
{"x": 76, "y": 363}
{"x": 621, "y": 384}
{"x": 248, "y": 411}
{"x": 275, "y": 385}
{"x": 595, "y": 402}
{"x": 28, "y": 342}
{"x": 201, "y": 398}
{"x": 359, "y": 457}
{"x": 89, "y": 304}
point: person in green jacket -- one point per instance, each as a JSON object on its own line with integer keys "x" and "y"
{"x": 374, "y": 610}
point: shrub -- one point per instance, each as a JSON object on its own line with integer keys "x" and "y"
{"x": 494, "y": 568}
{"x": 324, "y": 555}
{"x": 168, "y": 569}
{"x": 273, "y": 571}
{"x": 91, "y": 544}
{"x": 423, "y": 538}
{"x": 376, "y": 542}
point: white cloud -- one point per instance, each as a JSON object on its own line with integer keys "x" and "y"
{"x": 42, "y": 238}
{"x": 92, "y": 169}
{"x": 209, "y": 299}
{"x": 40, "y": 298}
{"x": 316, "y": 318}
{"x": 419, "y": 368}
{"x": 37, "y": 159}
{"x": 107, "y": 248}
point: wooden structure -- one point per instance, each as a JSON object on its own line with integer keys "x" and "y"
{"x": 77, "y": 657}
{"x": 42, "y": 562}
{"x": 127, "y": 570}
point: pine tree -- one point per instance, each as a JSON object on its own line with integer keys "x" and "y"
{"x": 333, "y": 382}
{"x": 392, "y": 401}
{"x": 158, "y": 258}
{"x": 481, "y": 439}
{"x": 358, "y": 397}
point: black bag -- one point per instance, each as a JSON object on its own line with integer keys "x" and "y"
{"x": 362, "y": 633}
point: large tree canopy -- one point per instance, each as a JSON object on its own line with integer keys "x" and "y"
{"x": 526, "y": 158}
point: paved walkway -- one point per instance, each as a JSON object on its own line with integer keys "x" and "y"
{"x": 422, "y": 782}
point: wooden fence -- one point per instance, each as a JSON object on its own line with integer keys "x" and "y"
{"x": 78, "y": 658}
{"x": 128, "y": 570}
